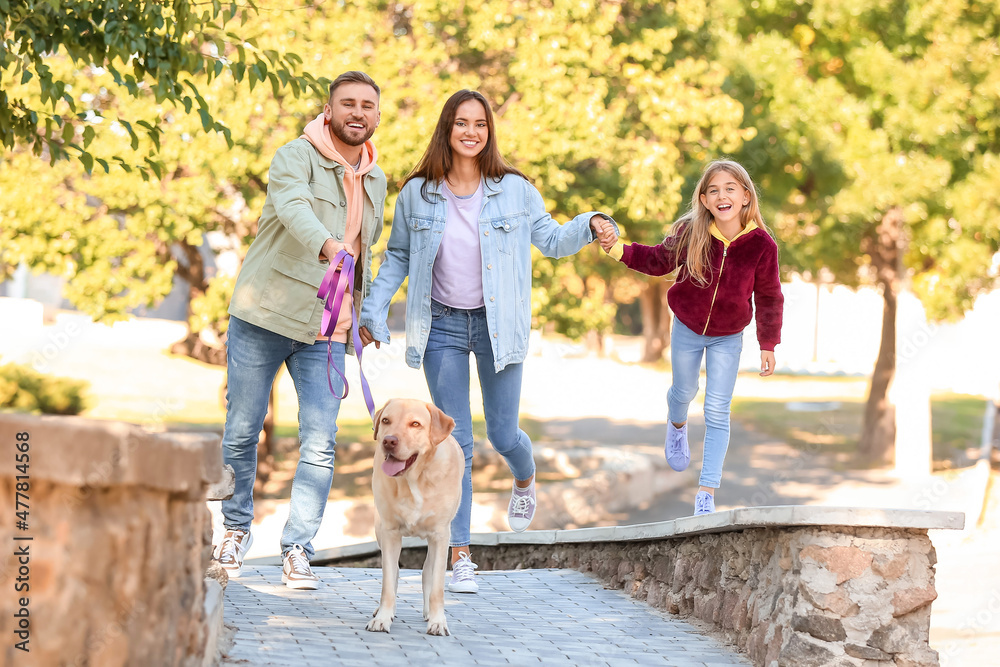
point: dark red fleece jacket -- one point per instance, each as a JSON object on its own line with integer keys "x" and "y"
{"x": 748, "y": 267}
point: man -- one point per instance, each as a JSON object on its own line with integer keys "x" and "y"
{"x": 325, "y": 194}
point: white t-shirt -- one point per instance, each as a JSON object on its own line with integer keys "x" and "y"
{"x": 457, "y": 278}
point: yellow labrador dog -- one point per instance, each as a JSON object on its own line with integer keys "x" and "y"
{"x": 417, "y": 484}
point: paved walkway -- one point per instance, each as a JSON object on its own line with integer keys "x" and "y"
{"x": 521, "y": 617}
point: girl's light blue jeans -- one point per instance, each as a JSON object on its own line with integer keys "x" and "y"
{"x": 722, "y": 361}
{"x": 454, "y": 334}
{"x": 254, "y": 356}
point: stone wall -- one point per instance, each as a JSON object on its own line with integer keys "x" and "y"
{"x": 120, "y": 539}
{"x": 787, "y": 592}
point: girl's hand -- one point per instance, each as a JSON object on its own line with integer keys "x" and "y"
{"x": 766, "y": 363}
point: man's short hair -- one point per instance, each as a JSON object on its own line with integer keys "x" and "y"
{"x": 354, "y": 76}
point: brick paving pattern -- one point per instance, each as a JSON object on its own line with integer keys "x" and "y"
{"x": 523, "y": 617}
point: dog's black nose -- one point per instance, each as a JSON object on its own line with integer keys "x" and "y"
{"x": 390, "y": 442}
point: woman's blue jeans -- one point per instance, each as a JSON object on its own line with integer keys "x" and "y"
{"x": 722, "y": 361}
{"x": 455, "y": 333}
{"x": 254, "y": 356}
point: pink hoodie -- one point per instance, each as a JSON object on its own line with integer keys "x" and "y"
{"x": 318, "y": 134}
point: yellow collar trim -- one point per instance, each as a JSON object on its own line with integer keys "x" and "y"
{"x": 714, "y": 230}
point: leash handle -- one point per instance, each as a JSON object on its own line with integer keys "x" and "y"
{"x": 335, "y": 284}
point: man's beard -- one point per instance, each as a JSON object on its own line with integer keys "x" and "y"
{"x": 341, "y": 132}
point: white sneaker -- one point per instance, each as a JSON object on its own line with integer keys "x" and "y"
{"x": 295, "y": 571}
{"x": 235, "y": 544}
{"x": 463, "y": 575}
{"x": 704, "y": 503}
{"x": 521, "y": 509}
{"x": 676, "y": 448}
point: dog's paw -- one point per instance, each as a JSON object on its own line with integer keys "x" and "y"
{"x": 381, "y": 623}
{"x": 438, "y": 627}
{"x": 378, "y": 624}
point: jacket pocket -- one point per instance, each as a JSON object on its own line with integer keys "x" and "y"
{"x": 505, "y": 232}
{"x": 420, "y": 232}
{"x": 330, "y": 208}
{"x": 291, "y": 287}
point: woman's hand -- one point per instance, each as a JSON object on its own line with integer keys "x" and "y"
{"x": 366, "y": 338}
{"x": 604, "y": 231}
{"x": 766, "y": 363}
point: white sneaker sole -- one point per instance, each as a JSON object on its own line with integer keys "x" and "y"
{"x": 234, "y": 573}
{"x": 464, "y": 587}
{"x": 519, "y": 525}
{"x": 299, "y": 584}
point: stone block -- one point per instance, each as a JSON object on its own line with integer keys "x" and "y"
{"x": 821, "y": 627}
{"x": 845, "y": 562}
{"x": 218, "y": 574}
{"x": 919, "y": 657}
{"x": 890, "y": 568}
{"x": 865, "y": 652}
{"x": 801, "y": 652}
{"x": 223, "y": 488}
{"x": 838, "y": 601}
{"x": 215, "y": 627}
{"x": 911, "y": 599}
{"x": 892, "y": 638}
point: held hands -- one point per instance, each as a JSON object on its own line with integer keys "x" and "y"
{"x": 604, "y": 231}
{"x": 366, "y": 338}
{"x": 766, "y": 363}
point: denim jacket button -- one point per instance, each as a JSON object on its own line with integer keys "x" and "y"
{"x": 343, "y": 203}
{"x": 487, "y": 232}
{"x": 506, "y": 226}
{"x": 494, "y": 335}
{"x": 492, "y": 299}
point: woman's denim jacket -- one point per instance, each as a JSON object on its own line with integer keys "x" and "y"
{"x": 513, "y": 218}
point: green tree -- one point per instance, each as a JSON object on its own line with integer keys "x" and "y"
{"x": 873, "y": 151}
{"x": 167, "y": 52}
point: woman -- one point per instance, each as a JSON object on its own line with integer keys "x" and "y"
{"x": 462, "y": 232}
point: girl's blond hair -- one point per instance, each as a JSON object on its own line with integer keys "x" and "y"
{"x": 691, "y": 230}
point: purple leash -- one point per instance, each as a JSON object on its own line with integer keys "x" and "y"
{"x": 333, "y": 298}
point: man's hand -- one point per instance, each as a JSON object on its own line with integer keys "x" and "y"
{"x": 366, "y": 338}
{"x": 766, "y": 363}
{"x": 604, "y": 231}
{"x": 331, "y": 248}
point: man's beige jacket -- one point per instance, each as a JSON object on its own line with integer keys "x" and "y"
{"x": 305, "y": 205}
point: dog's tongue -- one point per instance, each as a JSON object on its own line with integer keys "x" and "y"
{"x": 393, "y": 466}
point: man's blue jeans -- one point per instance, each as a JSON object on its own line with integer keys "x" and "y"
{"x": 254, "y": 356}
{"x": 722, "y": 361}
{"x": 455, "y": 333}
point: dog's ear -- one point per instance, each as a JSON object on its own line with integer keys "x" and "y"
{"x": 441, "y": 424}
{"x": 377, "y": 421}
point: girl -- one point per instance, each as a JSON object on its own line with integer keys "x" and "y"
{"x": 464, "y": 224}
{"x": 726, "y": 255}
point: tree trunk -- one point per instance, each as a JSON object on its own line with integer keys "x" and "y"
{"x": 655, "y": 320}
{"x": 192, "y": 269}
{"x": 878, "y": 430}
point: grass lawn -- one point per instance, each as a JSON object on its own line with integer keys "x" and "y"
{"x": 956, "y": 424}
